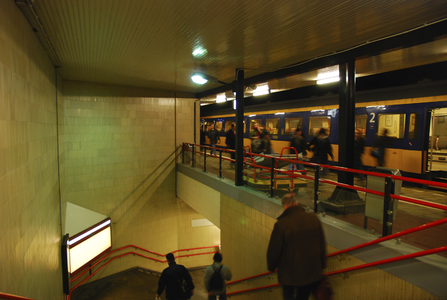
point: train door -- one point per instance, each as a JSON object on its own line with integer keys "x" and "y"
{"x": 437, "y": 140}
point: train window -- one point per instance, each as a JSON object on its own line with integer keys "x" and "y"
{"x": 316, "y": 123}
{"x": 413, "y": 127}
{"x": 393, "y": 123}
{"x": 254, "y": 122}
{"x": 272, "y": 126}
{"x": 228, "y": 125}
{"x": 360, "y": 123}
{"x": 218, "y": 125}
{"x": 292, "y": 124}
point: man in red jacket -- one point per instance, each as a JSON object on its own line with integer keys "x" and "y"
{"x": 297, "y": 249}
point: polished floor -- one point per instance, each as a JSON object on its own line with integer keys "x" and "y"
{"x": 133, "y": 284}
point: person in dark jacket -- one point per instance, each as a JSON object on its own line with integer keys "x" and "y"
{"x": 299, "y": 143}
{"x": 214, "y": 137}
{"x": 381, "y": 143}
{"x": 297, "y": 249}
{"x": 321, "y": 147}
{"x": 172, "y": 279}
{"x": 230, "y": 140}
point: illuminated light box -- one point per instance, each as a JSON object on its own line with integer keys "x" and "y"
{"x": 87, "y": 249}
{"x": 89, "y": 235}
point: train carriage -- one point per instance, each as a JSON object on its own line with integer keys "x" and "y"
{"x": 417, "y": 128}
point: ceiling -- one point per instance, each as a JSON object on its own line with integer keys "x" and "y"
{"x": 158, "y": 44}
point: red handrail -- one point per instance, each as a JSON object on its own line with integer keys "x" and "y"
{"x": 155, "y": 253}
{"x": 133, "y": 253}
{"x": 380, "y": 262}
{"x": 390, "y": 260}
{"x": 13, "y": 297}
{"x": 389, "y": 237}
{"x": 338, "y": 168}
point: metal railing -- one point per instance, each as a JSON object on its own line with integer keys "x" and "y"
{"x": 106, "y": 256}
{"x": 388, "y": 196}
{"x": 250, "y": 160}
{"x": 12, "y": 297}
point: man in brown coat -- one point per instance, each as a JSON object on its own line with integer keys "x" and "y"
{"x": 297, "y": 249}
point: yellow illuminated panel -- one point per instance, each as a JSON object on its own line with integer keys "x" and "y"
{"x": 89, "y": 249}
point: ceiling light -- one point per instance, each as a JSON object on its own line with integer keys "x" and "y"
{"x": 221, "y": 98}
{"x": 261, "y": 89}
{"x": 328, "y": 80}
{"x": 280, "y": 113}
{"x": 234, "y": 104}
{"x": 199, "y": 51}
{"x": 202, "y": 78}
{"x": 198, "y": 78}
{"x": 251, "y": 116}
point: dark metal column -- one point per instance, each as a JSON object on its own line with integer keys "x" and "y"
{"x": 346, "y": 123}
{"x": 346, "y": 137}
{"x": 239, "y": 127}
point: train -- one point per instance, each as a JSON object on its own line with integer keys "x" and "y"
{"x": 417, "y": 127}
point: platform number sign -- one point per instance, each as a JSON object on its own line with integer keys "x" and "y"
{"x": 372, "y": 121}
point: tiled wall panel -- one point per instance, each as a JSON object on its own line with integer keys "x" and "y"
{"x": 29, "y": 187}
{"x": 120, "y": 161}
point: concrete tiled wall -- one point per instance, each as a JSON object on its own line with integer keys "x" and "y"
{"x": 29, "y": 190}
{"x": 202, "y": 198}
{"x": 120, "y": 162}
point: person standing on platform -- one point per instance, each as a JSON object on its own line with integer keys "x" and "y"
{"x": 230, "y": 140}
{"x": 299, "y": 143}
{"x": 213, "y": 135}
{"x": 321, "y": 147}
{"x": 172, "y": 279}
{"x": 214, "y": 279}
{"x": 381, "y": 143}
{"x": 297, "y": 249}
{"x": 359, "y": 148}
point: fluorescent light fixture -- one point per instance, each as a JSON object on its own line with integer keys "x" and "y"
{"x": 251, "y": 116}
{"x": 317, "y": 110}
{"x": 262, "y": 89}
{"x": 234, "y": 104}
{"x": 197, "y": 78}
{"x": 328, "y": 80}
{"x": 326, "y": 75}
{"x": 87, "y": 233}
{"x": 280, "y": 113}
{"x": 199, "y": 51}
{"x": 377, "y": 106}
{"x": 221, "y": 98}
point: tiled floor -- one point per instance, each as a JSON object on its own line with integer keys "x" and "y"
{"x": 133, "y": 284}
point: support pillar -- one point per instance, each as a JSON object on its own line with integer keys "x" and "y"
{"x": 239, "y": 127}
{"x": 346, "y": 200}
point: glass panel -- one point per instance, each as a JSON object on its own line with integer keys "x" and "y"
{"x": 292, "y": 124}
{"x": 393, "y": 123}
{"x": 413, "y": 127}
{"x": 316, "y": 123}
{"x": 228, "y": 125}
{"x": 218, "y": 125}
{"x": 272, "y": 126}
{"x": 360, "y": 123}
{"x": 254, "y": 122}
